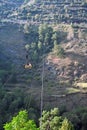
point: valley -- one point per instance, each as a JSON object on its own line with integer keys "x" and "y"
{"x": 53, "y": 35}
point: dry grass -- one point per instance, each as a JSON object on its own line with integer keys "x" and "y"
{"x": 81, "y": 85}
{"x": 72, "y": 90}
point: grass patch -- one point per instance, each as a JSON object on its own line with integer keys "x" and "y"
{"x": 72, "y": 90}
{"x": 81, "y": 85}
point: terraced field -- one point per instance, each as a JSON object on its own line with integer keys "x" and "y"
{"x": 56, "y": 11}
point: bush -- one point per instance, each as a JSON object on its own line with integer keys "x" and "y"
{"x": 58, "y": 50}
{"x": 21, "y": 122}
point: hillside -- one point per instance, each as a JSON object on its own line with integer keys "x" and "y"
{"x": 55, "y": 32}
{"x": 7, "y": 7}
{"x": 56, "y": 11}
{"x": 23, "y": 86}
{"x": 60, "y": 75}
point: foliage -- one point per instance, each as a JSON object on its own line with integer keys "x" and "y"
{"x": 58, "y": 50}
{"x": 45, "y": 35}
{"x": 58, "y": 36}
{"x": 51, "y": 120}
{"x": 43, "y": 39}
{"x": 21, "y": 122}
{"x": 39, "y": 11}
{"x": 27, "y": 47}
{"x": 26, "y": 28}
{"x": 79, "y": 118}
{"x": 40, "y": 41}
{"x": 66, "y": 125}
{"x": 11, "y": 103}
{"x": 31, "y": 33}
{"x": 13, "y": 78}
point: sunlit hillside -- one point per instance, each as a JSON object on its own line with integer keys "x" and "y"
{"x": 43, "y": 63}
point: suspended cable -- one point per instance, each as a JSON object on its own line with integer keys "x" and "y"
{"x": 42, "y": 90}
{"x": 9, "y": 77}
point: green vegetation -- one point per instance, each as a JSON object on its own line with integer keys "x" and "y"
{"x": 11, "y": 103}
{"x": 44, "y": 39}
{"x": 61, "y": 11}
{"x": 39, "y": 40}
{"x": 78, "y": 117}
{"x": 58, "y": 50}
{"x": 55, "y": 27}
{"x": 49, "y": 121}
{"x": 21, "y": 122}
{"x": 5, "y": 70}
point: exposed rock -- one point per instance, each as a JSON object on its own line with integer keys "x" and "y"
{"x": 84, "y": 77}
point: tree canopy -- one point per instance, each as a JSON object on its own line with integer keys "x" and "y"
{"x": 21, "y": 122}
{"x": 51, "y": 120}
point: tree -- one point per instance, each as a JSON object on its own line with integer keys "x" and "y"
{"x": 55, "y": 37}
{"x": 21, "y": 122}
{"x": 39, "y": 45}
{"x": 27, "y": 46}
{"x": 45, "y": 35}
{"x": 26, "y": 28}
{"x": 58, "y": 50}
{"x": 59, "y": 36}
{"x": 51, "y": 120}
{"x": 66, "y": 125}
{"x": 84, "y": 121}
{"x": 35, "y": 56}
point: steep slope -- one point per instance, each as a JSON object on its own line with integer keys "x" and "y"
{"x": 65, "y": 79}
{"x": 59, "y": 74}
{"x": 53, "y": 11}
{"x": 8, "y": 6}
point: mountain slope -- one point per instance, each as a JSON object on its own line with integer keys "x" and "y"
{"x": 65, "y": 79}
{"x": 54, "y": 11}
{"x": 8, "y": 6}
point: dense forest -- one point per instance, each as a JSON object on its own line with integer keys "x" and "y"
{"x": 43, "y": 65}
